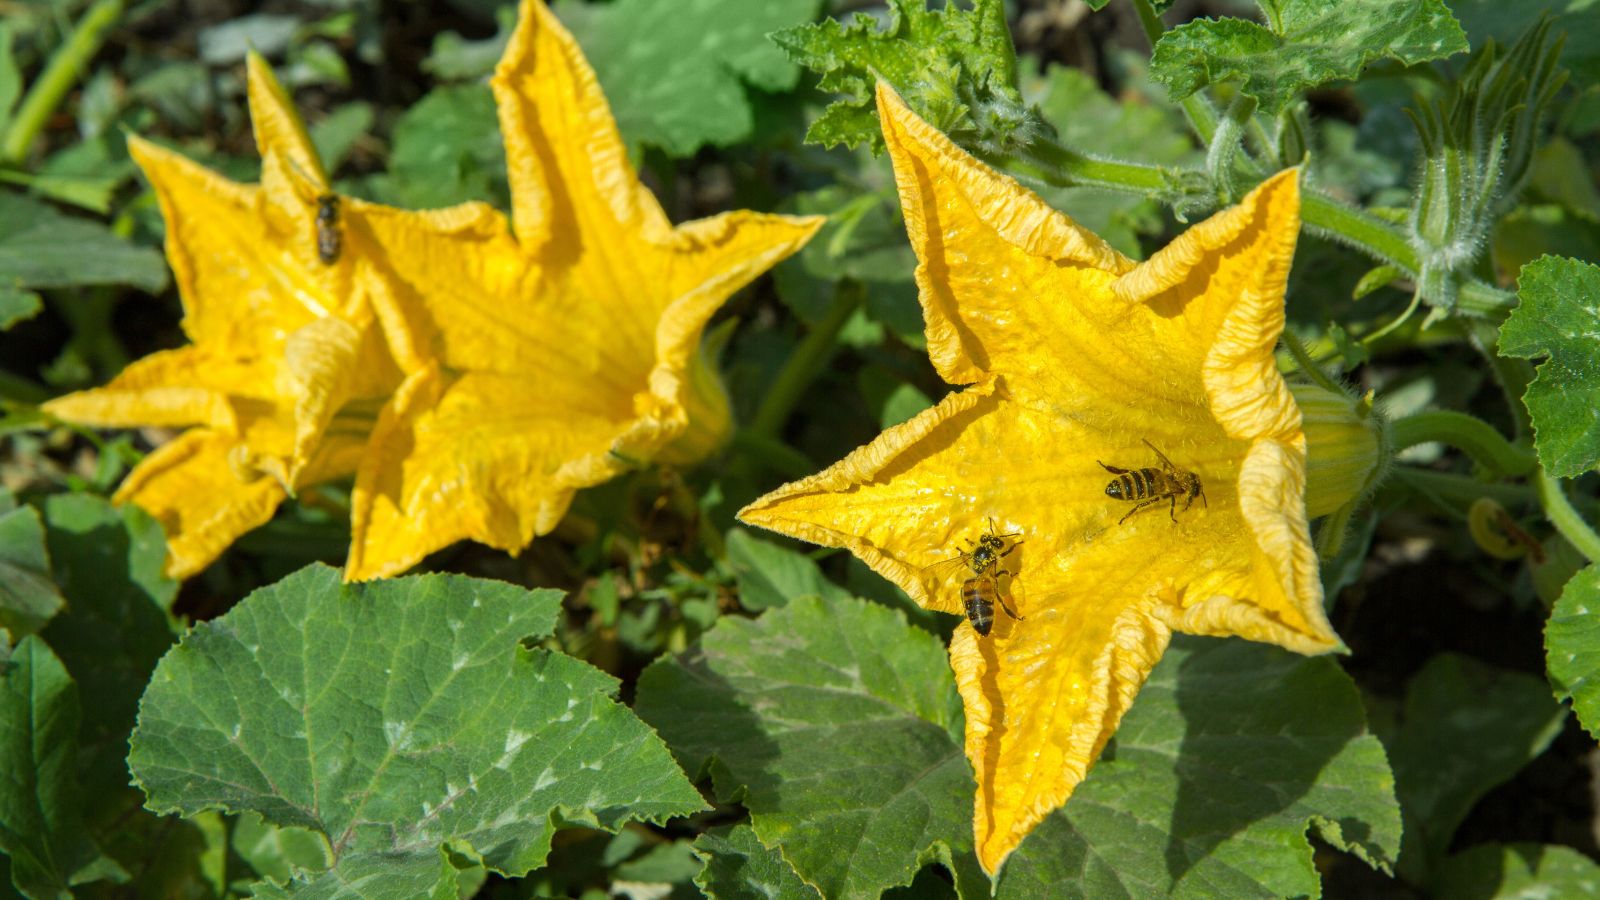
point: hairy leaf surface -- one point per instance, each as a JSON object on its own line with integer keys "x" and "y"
{"x": 1232, "y": 751}
{"x": 1572, "y": 647}
{"x": 1304, "y": 43}
{"x": 394, "y": 717}
{"x": 1558, "y": 317}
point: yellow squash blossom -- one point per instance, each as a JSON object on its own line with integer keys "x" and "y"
{"x": 287, "y": 366}
{"x": 570, "y": 353}
{"x": 1074, "y": 358}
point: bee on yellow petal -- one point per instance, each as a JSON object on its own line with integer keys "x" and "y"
{"x": 1148, "y": 486}
{"x": 329, "y": 239}
{"x": 981, "y": 592}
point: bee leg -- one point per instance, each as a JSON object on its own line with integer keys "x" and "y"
{"x": 1008, "y": 551}
{"x": 1003, "y": 605}
{"x": 1136, "y": 507}
{"x": 1113, "y": 469}
{"x": 1173, "y": 510}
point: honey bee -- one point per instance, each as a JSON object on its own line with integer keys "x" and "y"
{"x": 329, "y": 240}
{"x": 1148, "y": 486}
{"x": 981, "y": 592}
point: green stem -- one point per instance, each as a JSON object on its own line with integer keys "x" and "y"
{"x": 1308, "y": 366}
{"x": 65, "y": 66}
{"x": 1202, "y": 117}
{"x": 1473, "y": 435}
{"x": 1512, "y": 375}
{"x": 1559, "y": 510}
{"x": 1454, "y": 492}
{"x": 1054, "y": 164}
{"x": 806, "y": 363}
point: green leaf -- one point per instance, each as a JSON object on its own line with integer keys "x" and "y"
{"x": 1228, "y": 753}
{"x": 447, "y": 150}
{"x": 41, "y": 248}
{"x": 455, "y": 58}
{"x": 738, "y": 867}
{"x": 28, "y": 596}
{"x": 1557, "y": 317}
{"x": 396, "y": 718}
{"x": 339, "y": 130}
{"x": 41, "y": 826}
{"x": 17, "y": 305}
{"x": 1466, "y": 728}
{"x": 769, "y": 575}
{"x": 1306, "y": 43}
{"x": 1510, "y": 871}
{"x": 840, "y": 729}
{"x": 955, "y": 67}
{"x": 672, "y": 71}
{"x": 276, "y": 853}
{"x": 1572, "y": 647}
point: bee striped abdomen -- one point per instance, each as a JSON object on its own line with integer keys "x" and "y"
{"x": 976, "y": 596}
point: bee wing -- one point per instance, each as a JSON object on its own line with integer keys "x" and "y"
{"x": 1164, "y": 461}
{"x": 941, "y": 570}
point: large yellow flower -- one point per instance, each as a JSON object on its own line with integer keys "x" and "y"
{"x": 287, "y": 366}
{"x": 570, "y": 354}
{"x": 1072, "y": 356}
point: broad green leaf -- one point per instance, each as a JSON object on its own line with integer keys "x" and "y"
{"x": 1558, "y": 317}
{"x": 455, "y": 58}
{"x": 227, "y": 42}
{"x": 1230, "y": 754}
{"x": 28, "y": 596}
{"x": 956, "y": 67}
{"x": 41, "y": 822}
{"x": 1466, "y": 728}
{"x": 838, "y": 726}
{"x": 769, "y": 575}
{"x": 1572, "y": 647}
{"x": 672, "y": 72}
{"x": 18, "y": 305}
{"x": 339, "y": 130}
{"x": 276, "y": 853}
{"x": 399, "y": 718}
{"x": 115, "y": 627}
{"x": 41, "y": 248}
{"x": 1305, "y": 43}
{"x": 1517, "y": 872}
{"x": 447, "y": 150}
{"x": 738, "y": 867}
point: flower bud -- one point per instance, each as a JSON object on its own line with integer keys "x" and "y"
{"x": 1347, "y": 447}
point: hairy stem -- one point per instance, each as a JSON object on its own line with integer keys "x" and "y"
{"x": 67, "y": 63}
{"x": 1477, "y": 438}
{"x": 1559, "y": 510}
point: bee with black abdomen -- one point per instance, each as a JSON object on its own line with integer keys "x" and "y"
{"x": 329, "y": 240}
{"x": 981, "y": 592}
{"x": 1148, "y": 486}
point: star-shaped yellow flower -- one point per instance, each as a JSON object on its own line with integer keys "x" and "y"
{"x": 567, "y": 356}
{"x": 287, "y": 368}
{"x": 1074, "y": 356}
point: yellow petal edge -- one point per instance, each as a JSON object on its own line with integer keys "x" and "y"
{"x": 569, "y": 353}
{"x": 1071, "y": 357}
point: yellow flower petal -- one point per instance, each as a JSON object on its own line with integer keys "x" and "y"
{"x": 1078, "y": 360}
{"x": 289, "y": 361}
{"x": 191, "y": 486}
{"x": 552, "y": 360}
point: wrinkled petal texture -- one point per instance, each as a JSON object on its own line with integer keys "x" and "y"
{"x": 556, "y": 353}
{"x": 286, "y": 347}
{"x": 1075, "y": 357}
